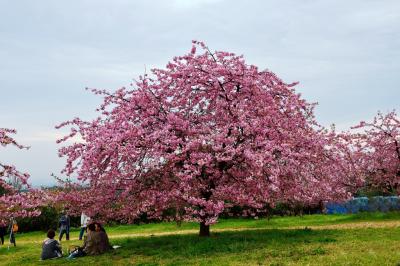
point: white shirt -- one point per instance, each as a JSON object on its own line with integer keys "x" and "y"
{"x": 84, "y": 220}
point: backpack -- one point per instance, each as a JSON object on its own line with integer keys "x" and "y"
{"x": 15, "y": 228}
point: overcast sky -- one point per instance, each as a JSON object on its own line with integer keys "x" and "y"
{"x": 344, "y": 53}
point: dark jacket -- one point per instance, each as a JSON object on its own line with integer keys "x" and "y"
{"x": 64, "y": 223}
{"x": 51, "y": 249}
{"x": 3, "y": 230}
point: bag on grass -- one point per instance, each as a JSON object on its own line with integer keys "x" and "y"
{"x": 72, "y": 248}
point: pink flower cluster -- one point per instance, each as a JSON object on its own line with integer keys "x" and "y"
{"x": 13, "y": 202}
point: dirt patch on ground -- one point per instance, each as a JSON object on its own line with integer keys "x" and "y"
{"x": 357, "y": 225}
{"x": 388, "y": 224}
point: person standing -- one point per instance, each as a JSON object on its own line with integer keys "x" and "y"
{"x": 84, "y": 222}
{"x": 3, "y": 231}
{"x": 13, "y": 228}
{"x": 64, "y": 224}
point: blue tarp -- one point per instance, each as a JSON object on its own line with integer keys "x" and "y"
{"x": 364, "y": 204}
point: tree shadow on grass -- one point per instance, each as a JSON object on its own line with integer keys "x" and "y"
{"x": 269, "y": 242}
{"x": 247, "y": 247}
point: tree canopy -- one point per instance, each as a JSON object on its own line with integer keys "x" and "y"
{"x": 207, "y": 132}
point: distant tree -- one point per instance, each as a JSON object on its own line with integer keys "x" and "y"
{"x": 378, "y": 151}
{"x": 13, "y": 201}
{"x": 207, "y": 133}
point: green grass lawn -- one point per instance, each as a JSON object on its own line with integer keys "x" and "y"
{"x": 363, "y": 239}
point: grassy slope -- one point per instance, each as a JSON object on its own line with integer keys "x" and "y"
{"x": 260, "y": 242}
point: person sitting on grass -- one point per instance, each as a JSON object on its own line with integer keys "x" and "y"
{"x": 88, "y": 243}
{"x": 51, "y": 248}
{"x": 104, "y": 243}
{"x": 96, "y": 243}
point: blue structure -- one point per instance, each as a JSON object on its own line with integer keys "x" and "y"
{"x": 364, "y": 204}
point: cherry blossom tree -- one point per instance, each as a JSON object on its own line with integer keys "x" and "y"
{"x": 378, "y": 150}
{"x": 204, "y": 134}
{"x": 14, "y": 202}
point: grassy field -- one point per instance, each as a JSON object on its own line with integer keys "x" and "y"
{"x": 363, "y": 239}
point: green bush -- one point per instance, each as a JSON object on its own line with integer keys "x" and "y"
{"x": 48, "y": 219}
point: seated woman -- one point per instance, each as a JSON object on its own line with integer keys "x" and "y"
{"x": 50, "y": 247}
{"x": 96, "y": 242}
{"x": 88, "y": 244}
{"x": 104, "y": 243}
{"x": 91, "y": 243}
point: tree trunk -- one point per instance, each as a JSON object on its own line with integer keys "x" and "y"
{"x": 204, "y": 230}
